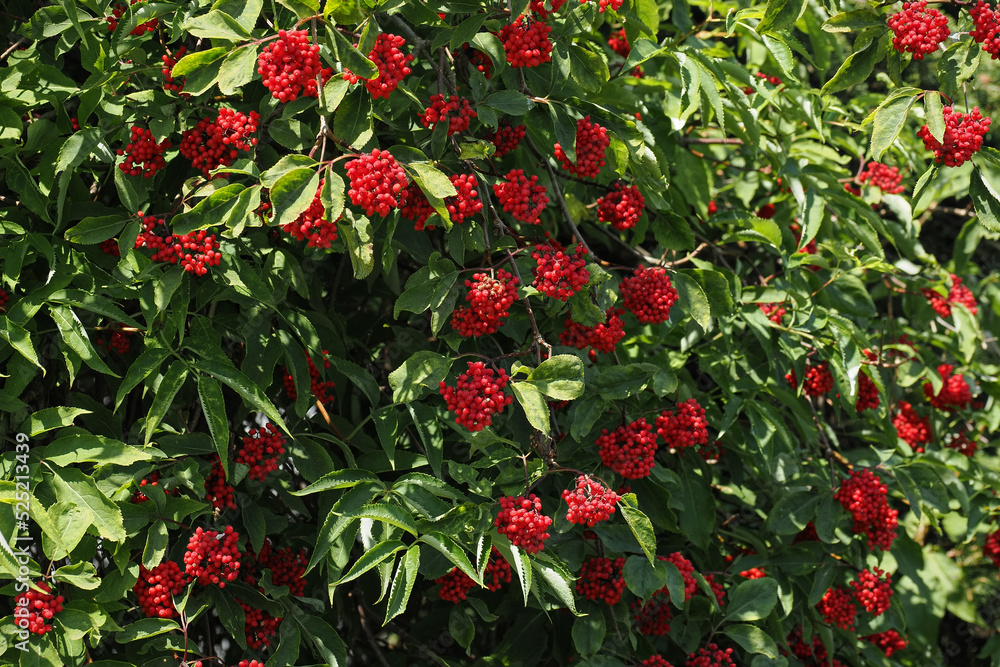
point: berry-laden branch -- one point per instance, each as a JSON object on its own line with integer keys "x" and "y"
{"x": 538, "y": 341}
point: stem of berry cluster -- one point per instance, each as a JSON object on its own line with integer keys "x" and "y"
{"x": 557, "y": 191}
{"x": 538, "y": 341}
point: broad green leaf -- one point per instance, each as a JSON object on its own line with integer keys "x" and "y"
{"x": 293, "y": 193}
{"x": 692, "y": 301}
{"x": 559, "y": 377}
{"x": 418, "y": 376}
{"x": 171, "y": 383}
{"x": 394, "y": 515}
{"x": 644, "y": 578}
{"x": 73, "y": 487}
{"x": 371, "y": 558}
{"x": 402, "y": 583}
{"x": 641, "y": 528}
{"x": 509, "y": 102}
{"x": 76, "y": 338}
{"x": 857, "y": 68}
{"x": 196, "y": 61}
{"x": 752, "y": 600}
{"x": 48, "y": 419}
{"x": 86, "y": 447}
{"x": 781, "y": 14}
{"x": 853, "y": 20}
{"x": 353, "y": 59}
{"x": 238, "y": 69}
{"x": 985, "y": 200}
{"x": 454, "y": 553}
{"x": 327, "y": 643}
{"x": 216, "y": 24}
{"x": 150, "y": 360}
{"x": 752, "y": 639}
{"x": 94, "y": 230}
{"x": 251, "y": 393}
{"x": 536, "y": 409}
{"x": 934, "y": 113}
{"x": 888, "y": 123}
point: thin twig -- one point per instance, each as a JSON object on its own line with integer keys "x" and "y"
{"x": 557, "y": 191}
{"x": 13, "y": 48}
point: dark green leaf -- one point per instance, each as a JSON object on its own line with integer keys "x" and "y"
{"x": 752, "y": 600}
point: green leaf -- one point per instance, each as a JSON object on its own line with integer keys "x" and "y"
{"x": 371, "y": 558}
{"x": 934, "y": 113}
{"x": 19, "y": 339}
{"x": 620, "y": 382}
{"x": 559, "y": 377}
{"x": 752, "y": 639}
{"x": 402, "y": 583}
{"x": 213, "y": 405}
{"x": 339, "y": 479}
{"x": 856, "y": 69}
{"x": 81, "y": 575}
{"x": 354, "y": 60}
{"x": 697, "y": 508}
{"x": 293, "y": 193}
{"x": 888, "y": 123}
{"x": 536, "y": 409}
{"x": 781, "y": 14}
{"x": 467, "y": 30}
{"x": 216, "y": 25}
{"x": 76, "y": 488}
{"x": 509, "y": 102}
{"x": 150, "y": 360}
{"x": 588, "y": 69}
{"x": 332, "y": 194}
{"x": 94, "y": 230}
{"x": 156, "y": 545}
{"x": 238, "y": 69}
{"x": 985, "y": 200}
{"x": 454, "y": 553}
{"x": 854, "y": 20}
{"x": 460, "y": 627}
{"x": 193, "y": 62}
{"x": 393, "y": 515}
{"x": 644, "y": 578}
{"x": 49, "y": 419}
{"x": 171, "y": 383}
{"x": 86, "y": 447}
{"x": 418, "y": 376}
{"x": 146, "y": 628}
{"x": 642, "y": 528}
{"x": 752, "y": 600}
{"x": 360, "y": 245}
{"x": 353, "y": 121}
{"x": 251, "y": 393}
{"x": 75, "y": 337}
{"x": 692, "y": 300}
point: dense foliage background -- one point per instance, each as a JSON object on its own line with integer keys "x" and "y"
{"x": 241, "y": 291}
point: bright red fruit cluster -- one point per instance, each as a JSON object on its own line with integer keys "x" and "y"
{"x": 216, "y": 142}
{"x": 656, "y": 661}
{"x": 290, "y": 66}
{"x": 156, "y": 587}
{"x": 592, "y": 143}
{"x": 259, "y": 627}
{"x": 711, "y": 656}
{"x": 318, "y": 387}
{"x": 991, "y": 547}
{"x": 819, "y": 379}
{"x": 882, "y": 176}
{"x": 522, "y": 521}
{"x": 687, "y": 428}
{"x": 774, "y": 311}
{"x": 456, "y": 112}
{"x": 602, "y": 337}
{"x": 523, "y": 198}
{"x": 490, "y": 299}
{"x": 288, "y": 567}
{"x": 4, "y": 298}
{"x": 629, "y": 449}
{"x": 455, "y": 586}
{"x": 959, "y": 293}
{"x": 911, "y": 427}
{"x": 213, "y": 558}
{"x": 194, "y": 252}
{"x": 604, "y": 4}
{"x": 119, "y": 341}
{"x": 601, "y": 579}
{"x": 40, "y": 606}
{"x": 814, "y": 655}
{"x": 413, "y": 205}
{"x": 377, "y": 181}
{"x": 507, "y": 138}
{"x": 119, "y": 10}
{"x": 590, "y": 502}
{"x": 168, "y": 65}
{"x": 618, "y": 41}
{"x": 648, "y": 294}
{"x": 987, "y": 30}
{"x": 526, "y": 42}
{"x": 888, "y": 642}
{"x": 465, "y": 203}
{"x": 873, "y": 590}
{"x": 477, "y": 396}
{"x": 866, "y": 498}
{"x": 622, "y": 207}
{"x": 559, "y": 274}
{"x": 686, "y": 568}
{"x": 138, "y": 496}
{"x": 260, "y": 450}
{"x": 963, "y": 136}
{"x": 955, "y": 392}
{"x": 393, "y": 65}
{"x": 312, "y": 225}
{"x": 868, "y": 398}
{"x": 143, "y": 156}
{"x": 962, "y": 444}
{"x": 918, "y": 30}
{"x": 837, "y": 608}
{"x": 538, "y": 7}
{"x": 219, "y": 492}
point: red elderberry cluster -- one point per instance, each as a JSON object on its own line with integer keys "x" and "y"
{"x": 873, "y": 590}
{"x": 213, "y": 557}
{"x": 243, "y": 663}
{"x": 865, "y": 497}
{"x": 918, "y": 30}
{"x": 260, "y": 450}
{"x": 622, "y": 207}
{"x": 955, "y": 393}
{"x": 289, "y": 67}
{"x": 653, "y": 616}
{"x": 523, "y": 198}
{"x": 987, "y": 30}
{"x": 156, "y": 587}
{"x": 601, "y": 579}
{"x": 603, "y": 4}
{"x": 393, "y": 65}
{"x": 813, "y": 656}
{"x": 991, "y": 548}
{"x": 959, "y": 293}
{"x": 753, "y": 573}
{"x": 592, "y": 143}
{"x": 413, "y": 205}
{"x": 507, "y": 138}
{"x": 465, "y": 203}
{"x": 590, "y": 502}
{"x": 216, "y": 142}
{"x": 888, "y": 642}
{"x": 963, "y": 136}
{"x": 538, "y": 7}
{"x": 648, "y": 294}
{"x": 119, "y": 341}
{"x": 618, "y": 42}
{"x": 140, "y": 30}
{"x": 819, "y": 379}
{"x": 39, "y": 607}
{"x": 837, "y": 608}
{"x": 526, "y": 42}
{"x": 497, "y": 572}
{"x": 686, "y": 568}
{"x": 153, "y": 480}
{"x": 773, "y": 80}
{"x": 559, "y": 274}
{"x": 629, "y": 449}
{"x": 712, "y": 656}
{"x": 479, "y": 60}
{"x": 656, "y": 661}
{"x": 194, "y": 252}
{"x": 455, "y": 586}
{"x": 882, "y": 176}
{"x": 911, "y": 427}
{"x": 260, "y": 627}
{"x": 868, "y": 398}
{"x": 522, "y": 521}
{"x": 312, "y": 225}
{"x": 143, "y": 156}
{"x": 287, "y": 566}
{"x": 774, "y": 311}
{"x": 456, "y": 112}
{"x": 110, "y": 247}
{"x": 318, "y": 387}
{"x": 687, "y": 428}
{"x": 962, "y": 443}
{"x": 477, "y": 396}
{"x": 490, "y": 299}
{"x": 377, "y": 181}
{"x": 169, "y": 83}
{"x": 602, "y": 337}
{"x": 218, "y": 491}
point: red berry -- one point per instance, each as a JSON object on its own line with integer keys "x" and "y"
{"x": 819, "y": 379}
{"x": 622, "y": 207}
{"x": 959, "y": 293}
{"x": 288, "y": 567}
{"x": 592, "y": 143}
{"x": 215, "y": 142}
{"x": 260, "y": 627}
{"x": 38, "y": 608}
{"x": 168, "y": 65}
{"x": 290, "y": 66}
{"x": 524, "y": 199}
{"x": 213, "y": 557}
{"x": 506, "y": 138}
{"x": 774, "y": 311}
{"x": 220, "y": 493}
{"x": 882, "y": 176}
{"x": 538, "y": 7}
{"x": 873, "y": 590}
{"x": 522, "y": 521}
{"x": 454, "y": 586}
{"x": 649, "y": 295}
{"x": 590, "y": 502}
{"x": 602, "y": 337}
{"x": 656, "y": 661}
{"x": 962, "y": 443}
{"x": 918, "y": 30}
{"x": 143, "y": 156}
{"x": 377, "y": 182}
{"x": 836, "y": 608}
{"x": 888, "y": 642}
{"x": 156, "y": 588}
{"x": 318, "y": 387}
{"x": 992, "y": 547}
{"x": 601, "y": 579}
{"x": 685, "y": 429}
{"x": 312, "y": 224}
{"x": 652, "y": 617}
{"x": 456, "y": 112}
{"x": 140, "y": 30}
{"x": 619, "y": 43}
{"x": 478, "y": 396}
{"x": 963, "y": 136}
{"x": 955, "y": 393}
{"x": 413, "y": 205}
{"x": 393, "y": 66}
{"x": 489, "y": 300}
{"x": 987, "y": 30}
{"x": 559, "y": 274}
{"x": 864, "y": 496}
{"x": 526, "y": 42}
{"x": 628, "y": 450}
{"x": 261, "y": 450}
{"x": 712, "y": 656}
{"x": 465, "y": 203}
{"x": 868, "y": 398}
